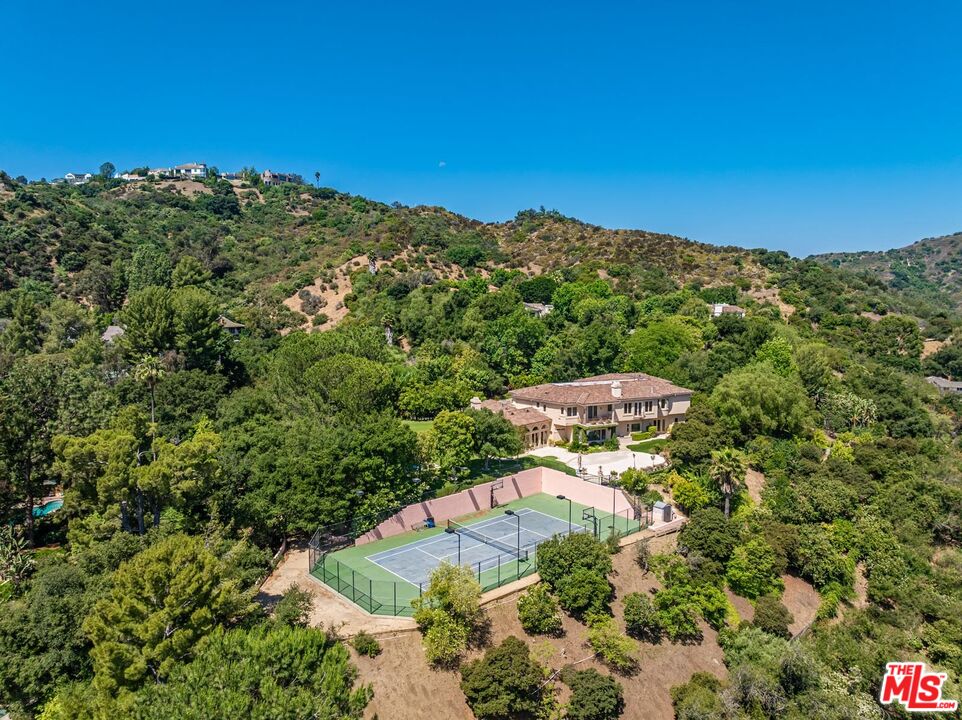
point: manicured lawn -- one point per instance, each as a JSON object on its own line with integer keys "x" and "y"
{"x": 652, "y": 446}
{"x": 500, "y": 468}
{"x": 419, "y": 426}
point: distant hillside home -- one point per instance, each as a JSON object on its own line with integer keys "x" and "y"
{"x": 112, "y": 333}
{"x": 232, "y": 328}
{"x": 131, "y": 177}
{"x": 538, "y": 309}
{"x": 77, "y": 178}
{"x": 603, "y": 406}
{"x": 272, "y": 178}
{"x": 945, "y": 386}
{"x": 194, "y": 171}
{"x": 719, "y": 309}
{"x": 231, "y": 176}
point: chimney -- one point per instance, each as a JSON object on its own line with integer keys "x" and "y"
{"x": 475, "y": 403}
{"x": 616, "y": 389}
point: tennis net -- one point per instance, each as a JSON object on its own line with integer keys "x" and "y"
{"x": 488, "y": 540}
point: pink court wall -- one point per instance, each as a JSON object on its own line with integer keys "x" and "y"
{"x": 478, "y": 499}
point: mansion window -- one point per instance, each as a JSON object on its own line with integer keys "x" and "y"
{"x": 592, "y": 412}
{"x": 648, "y": 406}
{"x": 571, "y": 411}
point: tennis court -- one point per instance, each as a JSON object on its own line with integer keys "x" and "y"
{"x": 385, "y": 576}
{"x": 482, "y": 545}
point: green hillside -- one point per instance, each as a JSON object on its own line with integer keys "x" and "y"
{"x": 930, "y": 268}
{"x": 187, "y": 451}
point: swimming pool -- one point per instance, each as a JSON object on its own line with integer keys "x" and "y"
{"x": 48, "y": 507}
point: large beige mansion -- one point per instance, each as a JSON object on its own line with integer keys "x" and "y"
{"x": 603, "y": 406}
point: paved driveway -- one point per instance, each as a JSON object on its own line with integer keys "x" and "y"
{"x": 615, "y": 460}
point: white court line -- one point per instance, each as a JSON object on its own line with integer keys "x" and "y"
{"x": 387, "y": 569}
{"x": 430, "y": 554}
{"x": 418, "y": 544}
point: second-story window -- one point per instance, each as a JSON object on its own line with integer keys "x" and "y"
{"x": 592, "y": 412}
{"x": 648, "y": 406}
{"x": 571, "y": 412}
{"x": 627, "y": 409}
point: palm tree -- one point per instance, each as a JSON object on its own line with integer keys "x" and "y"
{"x": 148, "y": 370}
{"x": 728, "y": 467}
{"x": 317, "y": 178}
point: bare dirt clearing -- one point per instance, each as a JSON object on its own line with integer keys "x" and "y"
{"x": 406, "y": 688}
{"x": 754, "y": 483}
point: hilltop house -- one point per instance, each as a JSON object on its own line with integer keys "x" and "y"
{"x": 194, "y": 171}
{"x": 719, "y": 309}
{"x": 77, "y": 178}
{"x": 272, "y": 178}
{"x": 603, "y": 406}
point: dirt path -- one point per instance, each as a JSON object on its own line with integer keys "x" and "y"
{"x": 330, "y": 609}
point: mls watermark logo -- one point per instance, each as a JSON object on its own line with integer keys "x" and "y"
{"x": 915, "y": 688}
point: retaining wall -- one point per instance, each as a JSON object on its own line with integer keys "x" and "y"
{"x": 478, "y": 499}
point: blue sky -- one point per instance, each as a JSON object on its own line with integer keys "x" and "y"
{"x": 806, "y": 126}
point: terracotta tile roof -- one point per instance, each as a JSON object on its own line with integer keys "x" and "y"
{"x": 515, "y": 415}
{"x": 597, "y": 390}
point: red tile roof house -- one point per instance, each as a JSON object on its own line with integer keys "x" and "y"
{"x": 604, "y": 406}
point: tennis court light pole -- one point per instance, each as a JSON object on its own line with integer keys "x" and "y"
{"x": 562, "y": 497}
{"x": 517, "y": 517}
{"x": 452, "y": 531}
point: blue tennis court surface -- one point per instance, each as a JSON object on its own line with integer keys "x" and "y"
{"x": 415, "y": 561}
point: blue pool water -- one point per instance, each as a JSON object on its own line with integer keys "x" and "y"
{"x": 47, "y": 508}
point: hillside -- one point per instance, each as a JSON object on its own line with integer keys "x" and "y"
{"x": 273, "y": 252}
{"x": 929, "y": 267}
{"x": 148, "y": 478}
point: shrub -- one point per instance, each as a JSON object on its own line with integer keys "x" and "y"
{"x": 698, "y": 698}
{"x": 613, "y": 542}
{"x": 366, "y": 644}
{"x": 593, "y": 696}
{"x": 560, "y": 557}
{"x": 772, "y": 616}
{"x": 448, "y": 613}
{"x": 505, "y": 683}
{"x": 708, "y": 532}
{"x": 294, "y": 607}
{"x": 445, "y": 639}
{"x": 641, "y": 618}
{"x": 752, "y": 569}
{"x": 616, "y": 650}
{"x": 584, "y": 591}
{"x": 538, "y": 612}
{"x": 643, "y": 554}
{"x": 678, "y": 614}
{"x": 689, "y": 494}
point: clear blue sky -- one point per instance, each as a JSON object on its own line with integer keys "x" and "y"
{"x": 803, "y": 126}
